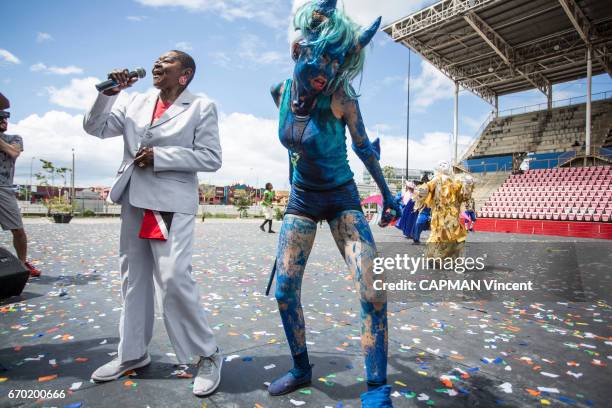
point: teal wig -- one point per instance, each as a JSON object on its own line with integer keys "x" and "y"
{"x": 333, "y": 32}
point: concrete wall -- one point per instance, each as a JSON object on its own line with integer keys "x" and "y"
{"x": 113, "y": 209}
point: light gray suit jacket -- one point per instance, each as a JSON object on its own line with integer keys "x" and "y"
{"x": 185, "y": 140}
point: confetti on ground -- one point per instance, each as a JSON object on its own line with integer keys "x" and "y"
{"x": 506, "y": 387}
{"x": 525, "y": 353}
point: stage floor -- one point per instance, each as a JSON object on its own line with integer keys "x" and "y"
{"x": 445, "y": 354}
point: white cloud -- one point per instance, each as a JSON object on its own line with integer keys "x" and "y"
{"x": 52, "y": 137}
{"x": 68, "y": 70}
{"x": 269, "y": 12}
{"x": 136, "y": 19}
{"x": 42, "y": 37}
{"x": 6, "y": 56}
{"x": 80, "y": 94}
{"x": 392, "y": 80}
{"x": 251, "y": 149}
{"x": 183, "y": 46}
{"x": 364, "y": 13}
{"x": 424, "y": 152}
{"x": 430, "y": 86}
{"x": 220, "y": 58}
{"x": 252, "y": 49}
{"x": 251, "y": 52}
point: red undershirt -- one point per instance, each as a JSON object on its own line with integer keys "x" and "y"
{"x": 160, "y": 108}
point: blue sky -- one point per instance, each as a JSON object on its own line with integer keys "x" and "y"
{"x": 51, "y": 54}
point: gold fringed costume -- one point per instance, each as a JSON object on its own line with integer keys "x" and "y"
{"x": 445, "y": 194}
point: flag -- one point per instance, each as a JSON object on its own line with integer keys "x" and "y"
{"x": 155, "y": 225}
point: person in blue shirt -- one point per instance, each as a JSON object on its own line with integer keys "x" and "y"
{"x": 409, "y": 216}
{"x": 422, "y": 224}
{"x": 316, "y": 106}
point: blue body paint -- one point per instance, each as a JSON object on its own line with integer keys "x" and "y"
{"x": 294, "y": 244}
{"x": 319, "y": 148}
{"x": 315, "y": 109}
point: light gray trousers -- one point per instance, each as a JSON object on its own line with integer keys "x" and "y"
{"x": 163, "y": 269}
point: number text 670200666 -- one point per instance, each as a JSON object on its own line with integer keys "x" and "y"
{"x": 36, "y": 394}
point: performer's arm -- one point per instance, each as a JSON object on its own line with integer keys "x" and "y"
{"x": 4, "y": 102}
{"x": 103, "y": 120}
{"x": 276, "y": 91}
{"x": 368, "y": 152}
{"x": 205, "y": 155}
{"x": 12, "y": 149}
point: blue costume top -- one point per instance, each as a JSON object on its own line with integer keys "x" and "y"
{"x": 316, "y": 144}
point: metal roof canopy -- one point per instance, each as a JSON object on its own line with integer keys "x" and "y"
{"x": 497, "y": 47}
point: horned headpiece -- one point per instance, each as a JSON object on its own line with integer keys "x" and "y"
{"x": 325, "y": 9}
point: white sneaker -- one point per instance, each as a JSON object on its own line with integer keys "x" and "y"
{"x": 113, "y": 369}
{"x": 209, "y": 375}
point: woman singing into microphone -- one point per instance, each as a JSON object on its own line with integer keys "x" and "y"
{"x": 168, "y": 137}
{"x": 316, "y": 106}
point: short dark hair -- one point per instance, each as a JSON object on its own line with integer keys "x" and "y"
{"x": 186, "y": 62}
{"x": 268, "y": 184}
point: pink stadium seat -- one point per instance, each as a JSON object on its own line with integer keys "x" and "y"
{"x": 566, "y": 194}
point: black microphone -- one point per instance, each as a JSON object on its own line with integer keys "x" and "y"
{"x": 110, "y": 83}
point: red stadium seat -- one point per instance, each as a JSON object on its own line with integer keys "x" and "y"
{"x": 565, "y": 194}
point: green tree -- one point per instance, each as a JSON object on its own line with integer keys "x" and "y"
{"x": 388, "y": 172}
{"x": 242, "y": 203}
{"x": 51, "y": 171}
{"x": 53, "y": 204}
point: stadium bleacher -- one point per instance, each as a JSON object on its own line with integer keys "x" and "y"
{"x": 566, "y": 145}
{"x": 545, "y": 131}
{"x": 564, "y": 194}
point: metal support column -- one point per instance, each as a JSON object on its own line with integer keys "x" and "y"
{"x": 456, "y": 124}
{"x": 549, "y": 94}
{"x": 496, "y": 106}
{"x": 588, "y": 103}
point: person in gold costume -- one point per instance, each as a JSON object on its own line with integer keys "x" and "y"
{"x": 445, "y": 194}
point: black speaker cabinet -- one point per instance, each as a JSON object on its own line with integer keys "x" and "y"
{"x": 13, "y": 275}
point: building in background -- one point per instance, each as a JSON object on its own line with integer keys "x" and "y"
{"x": 89, "y": 199}
{"x": 394, "y": 176}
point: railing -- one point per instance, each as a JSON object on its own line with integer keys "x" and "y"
{"x": 550, "y": 163}
{"x": 486, "y": 167}
{"x": 556, "y": 104}
{"x": 605, "y": 153}
{"x": 564, "y": 157}
{"x": 481, "y": 129}
{"x": 567, "y": 156}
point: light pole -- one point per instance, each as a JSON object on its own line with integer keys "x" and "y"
{"x": 72, "y": 181}
{"x": 30, "y": 189}
{"x": 408, "y": 117}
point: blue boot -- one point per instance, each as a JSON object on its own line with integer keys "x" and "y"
{"x": 293, "y": 380}
{"x": 378, "y": 398}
